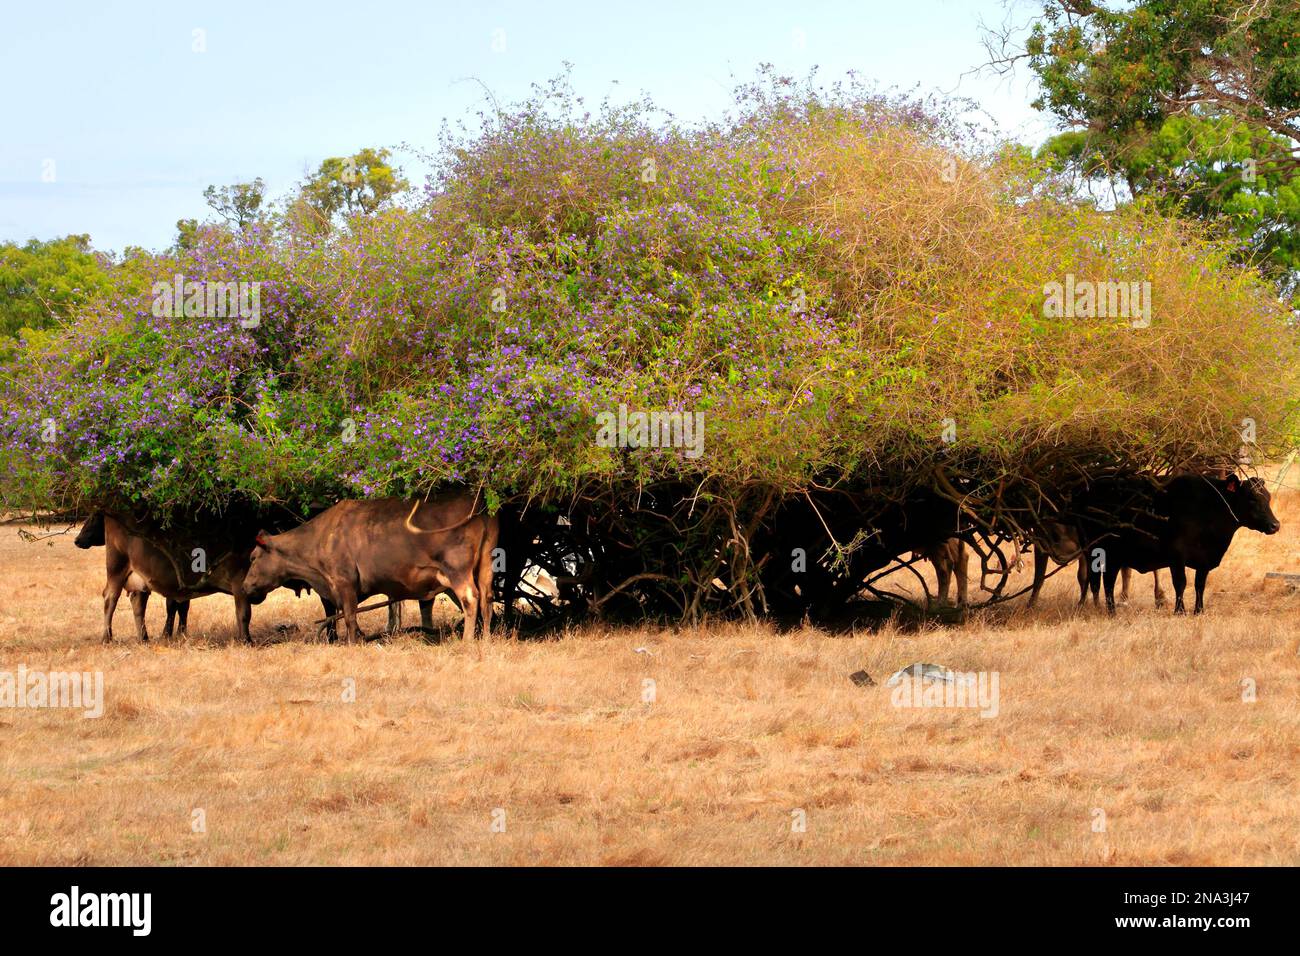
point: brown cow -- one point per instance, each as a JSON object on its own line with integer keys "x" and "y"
{"x": 408, "y": 550}
{"x": 156, "y": 564}
{"x": 92, "y": 535}
{"x": 949, "y": 558}
{"x": 138, "y": 560}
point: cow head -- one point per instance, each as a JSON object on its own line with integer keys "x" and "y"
{"x": 267, "y": 569}
{"x": 92, "y": 533}
{"x": 1249, "y": 501}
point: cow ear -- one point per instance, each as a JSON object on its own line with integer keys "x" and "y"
{"x": 1232, "y": 484}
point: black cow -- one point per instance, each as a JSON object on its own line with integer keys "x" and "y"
{"x": 1187, "y": 523}
{"x": 1060, "y": 543}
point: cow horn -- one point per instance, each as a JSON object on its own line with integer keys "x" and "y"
{"x": 414, "y": 529}
{"x": 261, "y": 540}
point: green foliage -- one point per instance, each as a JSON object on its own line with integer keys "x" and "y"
{"x": 1192, "y": 103}
{"x": 239, "y": 204}
{"x": 42, "y": 283}
{"x": 350, "y": 185}
{"x": 187, "y": 231}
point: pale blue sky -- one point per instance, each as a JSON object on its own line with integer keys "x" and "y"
{"x": 137, "y": 123}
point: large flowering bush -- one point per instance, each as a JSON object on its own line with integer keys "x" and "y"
{"x": 842, "y": 286}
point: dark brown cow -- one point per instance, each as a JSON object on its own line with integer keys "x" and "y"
{"x": 138, "y": 560}
{"x": 158, "y": 563}
{"x": 408, "y": 550}
{"x": 1188, "y": 522}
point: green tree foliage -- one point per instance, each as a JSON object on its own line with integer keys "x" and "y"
{"x": 1194, "y": 103}
{"x": 349, "y": 185}
{"x": 186, "y": 233}
{"x": 43, "y": 282}
{"x": 239, "y": 204}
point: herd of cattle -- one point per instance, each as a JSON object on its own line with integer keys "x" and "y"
{"x": 407, "y": 550}
{"x": 414, "y": 550}
{"x": 1189, "y": 524}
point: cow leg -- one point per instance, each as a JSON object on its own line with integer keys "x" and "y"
{"x": 1110, "y": 574}
{"x": 119, "y": 569}
{"x": 426, "y": 614}
{"x": 467, "y": 597}
{"x": 243, "y": 615}
{"x": 394, "y": 618}
{"x": 469, "y": 604}
{"x": 1159, "y": 595}
{"x": 1125, "y": 577}
{"x": 351, "y": 633}
{"x": 1178, "y": 578}
{"x": 183, "y": 616}
{"x": 942, "y": 575}
{"x": 485, "y": 592}
{"x": 1040, "y": 575}
{"x": 960, "y": 568}
{"x": 140, "y": 601}
{"x": 1083, "y": 579}
{"x": 175, "y": 609}
{"x": 1094, "y": 584}
{"x": 1202, "y": 575}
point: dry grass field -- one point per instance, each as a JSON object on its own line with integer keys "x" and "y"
{"x": 1121, "y": 741}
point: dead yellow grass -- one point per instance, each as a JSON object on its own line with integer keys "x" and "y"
{"x": 1140, "y": 718}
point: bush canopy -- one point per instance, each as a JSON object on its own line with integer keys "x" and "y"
{"x": 845, "y": 289}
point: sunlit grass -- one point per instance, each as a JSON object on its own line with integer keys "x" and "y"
{"x": 1140, "y": 718}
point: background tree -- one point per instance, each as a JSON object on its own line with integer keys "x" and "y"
{"x": 1193, "y": 103}
{"x": 41, "y": 282}
{"x": 239, "y": 204}
{"x": 348, "y": 185}
{"x": 187, "y": 233}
